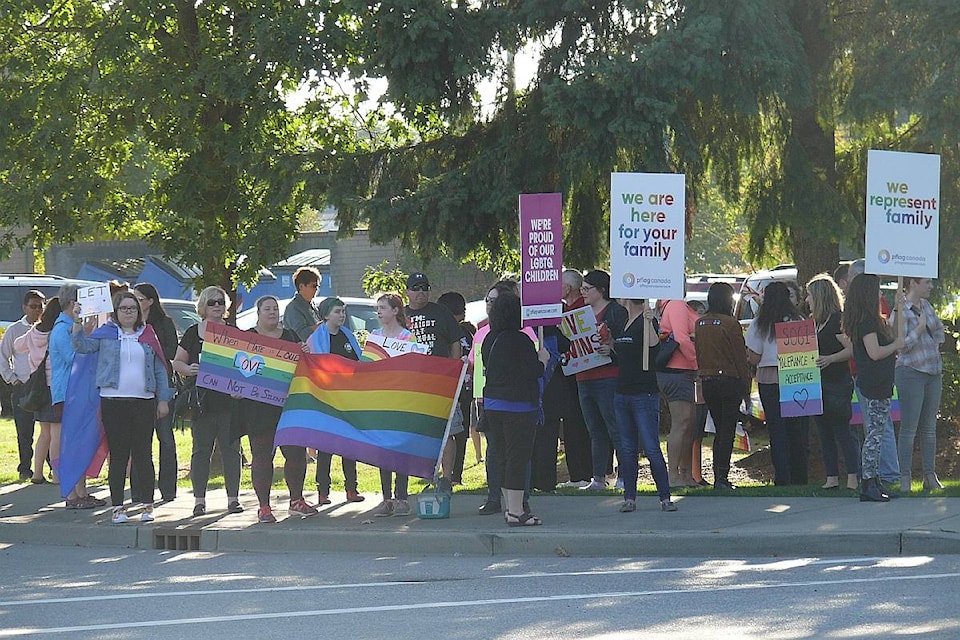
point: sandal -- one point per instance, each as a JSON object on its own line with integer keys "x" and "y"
{"x": 523, "y": 520}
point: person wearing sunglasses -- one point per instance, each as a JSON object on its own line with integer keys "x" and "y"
{"x": 15, "y": 369}
{"x": 132, "y": 378}
{"x": 217, "y": 418}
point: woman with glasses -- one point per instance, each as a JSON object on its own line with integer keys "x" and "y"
{"x": 217, "y": 417}
{"x": 154, "y": 315}
{"x": 132, "y": 378}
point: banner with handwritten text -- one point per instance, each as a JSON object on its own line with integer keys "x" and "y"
{"x": 580, "y": 328}
{"x": 247, "y": 364}
{"x": 797, "y": 352}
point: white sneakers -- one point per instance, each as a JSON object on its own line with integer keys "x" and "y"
{"x": 120, "y": 515}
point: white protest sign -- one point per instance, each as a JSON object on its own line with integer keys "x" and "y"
{"x": 580, "y": 328}
{"x": 647, "y": 225}
{"x": 94, "y": 300}
{"x": 378, "y": 347}
{"x": 903, "y": 214}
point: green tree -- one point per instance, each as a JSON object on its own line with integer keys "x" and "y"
{"x": 166, "y": 119}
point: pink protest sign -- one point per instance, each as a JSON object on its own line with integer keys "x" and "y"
{"x": 541, "y": 258}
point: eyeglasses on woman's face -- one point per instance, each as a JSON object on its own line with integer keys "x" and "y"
{"x": 127, "y": 308}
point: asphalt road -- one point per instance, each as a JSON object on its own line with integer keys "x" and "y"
{"x": 60, "y": 592}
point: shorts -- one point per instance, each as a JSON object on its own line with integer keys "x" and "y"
{"x": 456, "y": 425}
{"x": 676, "y": 385}
{"x": 50, "y": 413}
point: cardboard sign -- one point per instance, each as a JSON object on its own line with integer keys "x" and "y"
{"x": 247, "y": 364}
{"x": 541, "y": 258}
{"x": 647, "y": 244}
{"x": 94, "y": 300}
{"x": 580, "y": 328}
{"x": 903, "y": 214}
{"x": 378, "y": 347}
{"x": 797, "y": 353}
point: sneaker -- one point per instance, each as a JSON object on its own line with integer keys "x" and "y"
{"x": 385, "y": 510}
{"x": 234, "y": 507}
{"x": 119, "y": 515}
{"x": 322, "y": 499}
{"x": 445, "y": 485}
{"x": 353, "y": 496}
{"x": 628, "y": 506}
{"x": 574, "y": 484}
{"x": 668, "y": 505}
{"x": 596, "y": 485}
{"x": 25, "y": 475}
{"x": 401, "y": 508}
{"x": 265, "y": 515}
{"x": 96, "y": 502}
{"x": 300, "y": 507}
{"x": 199, "y": 509}
{"x": 147, "y": 515}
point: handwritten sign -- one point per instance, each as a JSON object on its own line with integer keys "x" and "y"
{"x": 580, "y": 328}
{"x": 797, "y": 352}
{"x": 379, "y": 347}
{"x": 903, "y": 214}
{"x": 94, "y": 300}
{"x": 647, "y": 225}
{"x": 247, "y": 364}
{"x": 541, "y": 258}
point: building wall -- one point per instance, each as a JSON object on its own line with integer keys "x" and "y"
{"x": 66, "y": 259}
{"x": 19, "y": 261}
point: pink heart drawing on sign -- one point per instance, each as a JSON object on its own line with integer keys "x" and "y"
{"x": 801, "y": 397}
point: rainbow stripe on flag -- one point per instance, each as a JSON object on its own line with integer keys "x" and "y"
{"x": 247, "y": 364}
{"x": 856, "y": 416}
{"x": 391, "y": 413}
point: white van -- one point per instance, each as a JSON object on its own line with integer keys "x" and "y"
{"x": 751, "y": 291}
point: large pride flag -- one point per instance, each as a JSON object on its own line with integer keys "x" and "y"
{"x": 392, "y": 413}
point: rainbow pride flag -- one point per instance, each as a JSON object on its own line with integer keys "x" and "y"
{"x": 391, "y": 413}
{"x": 856, "y": 416}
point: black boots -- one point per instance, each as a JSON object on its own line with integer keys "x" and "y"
{"x": 871, "y": 491}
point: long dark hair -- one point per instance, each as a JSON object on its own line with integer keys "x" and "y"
{"x": 863, "y": 303}
{"x": 51, "y": 311}
{"x": 720, "y": 299}
{"x": 505, "y": 313}
{"x": 157, "y": 312}
{"x": 776, "y": 307}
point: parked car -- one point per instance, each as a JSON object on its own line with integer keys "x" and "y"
{"x": 182, "y": 312}
{"x": 13, "y": 286}
{"x": 751, "y": 291}
{"x": 361, "y": 314}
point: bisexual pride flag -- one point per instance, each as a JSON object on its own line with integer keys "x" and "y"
{"x": 391, "y": 413}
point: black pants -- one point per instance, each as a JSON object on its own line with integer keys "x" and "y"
{"x": 167, "y": 476}
{"x": 463, "y": 437}
{"x": 723, "y": 395}
{"x": 26, "y": 424}
{"x": 543, "y": 471}
{"x": 128, "y": 424}
{"x": 513, "y": 435}
{"x": 323, "y": 472}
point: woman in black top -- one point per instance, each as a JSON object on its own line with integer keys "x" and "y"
{"x": 637, "y": 402}
{"x": 511, "y": 400}
{"x": 166, "y": 331}
{"x": 825, "y": 301}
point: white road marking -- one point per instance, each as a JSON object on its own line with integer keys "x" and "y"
{"x": 30, "y": 631}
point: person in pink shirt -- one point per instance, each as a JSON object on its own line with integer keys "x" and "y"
{"x": 676, "y": 382}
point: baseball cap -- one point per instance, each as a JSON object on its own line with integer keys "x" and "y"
{"x": 416, "y": 278}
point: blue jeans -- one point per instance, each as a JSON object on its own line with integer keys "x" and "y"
{"x": 639, "y": 418}
{"x": 889, "y": 470}
{"x": 919, "y": 402}
{"x": 596, "y": 400}
{"x": 834, "y": 429}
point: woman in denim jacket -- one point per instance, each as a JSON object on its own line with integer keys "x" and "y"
{"x": 132, "y": 378}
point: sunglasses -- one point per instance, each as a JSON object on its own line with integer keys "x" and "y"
{"x": 420, "y": 287}
{"x": 216, "y": 302}
{"x": 35, "y": 306}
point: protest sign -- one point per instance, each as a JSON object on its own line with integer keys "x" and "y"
{"x": 580, "y": 328}
{"x": 903, "y": 214}
{"x": 378, "y": 347}
{"x": 541, "y": 258}
{"x": 797, "y": 352}
{"x": 647, "y": 225}
{"x": 94, "y": 300}
{"x": 247, "y": 364}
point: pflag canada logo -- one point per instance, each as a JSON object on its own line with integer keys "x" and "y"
{"x": 629, "y": 280}
{"x": 883, "y": 256}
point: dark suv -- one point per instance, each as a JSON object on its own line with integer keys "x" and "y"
{"x": 13, "y": 286}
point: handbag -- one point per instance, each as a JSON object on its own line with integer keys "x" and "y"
{"x": 188, "y": 403}
{"x": 668, "y": 346}
{"x": 36, "y": 392}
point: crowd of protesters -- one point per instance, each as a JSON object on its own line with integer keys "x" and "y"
{"x": 515, "y": 392}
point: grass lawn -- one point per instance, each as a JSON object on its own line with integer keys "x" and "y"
{"x": 474, "y": 478}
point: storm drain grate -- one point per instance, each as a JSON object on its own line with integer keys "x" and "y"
{"x": 176, "y": 539}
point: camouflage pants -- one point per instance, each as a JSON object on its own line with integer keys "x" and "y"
{"x": 875, "y": 421}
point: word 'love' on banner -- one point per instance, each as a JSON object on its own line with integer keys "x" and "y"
{"x": 247, "y": 364}
{"x": 797, "y": 352}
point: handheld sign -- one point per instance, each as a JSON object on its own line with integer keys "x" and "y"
{"x": 797, "y": 352}
{"x": 647, "y": 226}
{"x": 378, "y": 347}
{"x": 580, "y": 328}
{"x": 541, "y": 258}
{"x": 247, "y": 364}
{"x": 94, "y": 300}
{"x": 903, "y": 214}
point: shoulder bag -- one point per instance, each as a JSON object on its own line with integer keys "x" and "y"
{"x": 36, "y": 392}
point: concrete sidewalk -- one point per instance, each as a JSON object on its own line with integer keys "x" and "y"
{"x": 720, "y": 526}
